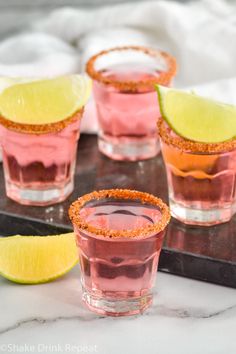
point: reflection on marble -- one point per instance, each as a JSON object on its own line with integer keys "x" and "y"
{"x": 187, "y": 317}
{"x": 216, "y": 242}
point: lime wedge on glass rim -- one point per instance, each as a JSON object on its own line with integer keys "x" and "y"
{"x": 43, "y": 101}
{"x": 197, "y": 118}
{"x": 37, "y": 259}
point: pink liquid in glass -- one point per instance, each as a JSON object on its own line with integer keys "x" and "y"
{"x": 128, "y": 119}
{"x": 118, "y": 274}
{"x": 39, "y": 169}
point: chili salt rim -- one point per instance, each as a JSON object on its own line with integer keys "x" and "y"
{"x": 146, "y": 198}
{"x": 41, "y": 128}
{"x": 190, "y": 145}
{"x": 163, "y": 79}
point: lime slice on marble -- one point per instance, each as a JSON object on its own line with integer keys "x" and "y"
{"x": 197, "y": 118}
{"x": 37, "y": 259}
{"x": 37, "y": 101}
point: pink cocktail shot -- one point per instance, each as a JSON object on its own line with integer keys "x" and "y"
{"x": 39, "y": 164}
{"x": 40, "y": 128}
{"x": 119, "y": 236}
{"x": 123, "y": 87}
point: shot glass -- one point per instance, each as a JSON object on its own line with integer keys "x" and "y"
{"x": 201, "y": 178}
{"x": 39, "y": 160}
{"x": 119, "y": 235}
{"x": 123, "y": 88}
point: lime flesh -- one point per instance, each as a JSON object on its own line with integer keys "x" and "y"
{"x": 197, "y": 118}
{"x": 37, "y": 259}
{"x": 43, "y": 101}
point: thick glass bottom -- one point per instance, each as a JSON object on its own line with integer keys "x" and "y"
{"x": 129, "y": 148}
{"x": 40, "y": 197}
{"x": 116, "y": 307}
{"x": 202, "y": 217}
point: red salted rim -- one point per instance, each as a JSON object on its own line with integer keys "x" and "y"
{"x": 164, "y": 131}
{"x": 145, "y": 198}
{"x": 163, "y": 79}
{"x": 41, "y": 128}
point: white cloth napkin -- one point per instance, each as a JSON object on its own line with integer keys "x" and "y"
{"x": 200, "y": 34}
{"x": 37, "y": 54}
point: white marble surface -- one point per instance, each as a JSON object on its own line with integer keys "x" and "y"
{"x": 187, "y": 317}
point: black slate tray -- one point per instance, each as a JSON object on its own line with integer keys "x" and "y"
{"x": 205, "y": 253}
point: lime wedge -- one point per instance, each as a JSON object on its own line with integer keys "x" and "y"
{"x": 37, "y": 259}
{"x": 43, "y": 101}
{"x": 197, "y": 118}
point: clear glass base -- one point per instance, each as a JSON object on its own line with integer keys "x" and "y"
{"x": 127, "y": 148}
{"x": 116, "y": 307}
{"x": 40, "y": 197}
{"x": 193, "y": 216}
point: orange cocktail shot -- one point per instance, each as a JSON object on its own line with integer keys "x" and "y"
{"x": 199, "y": 150}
